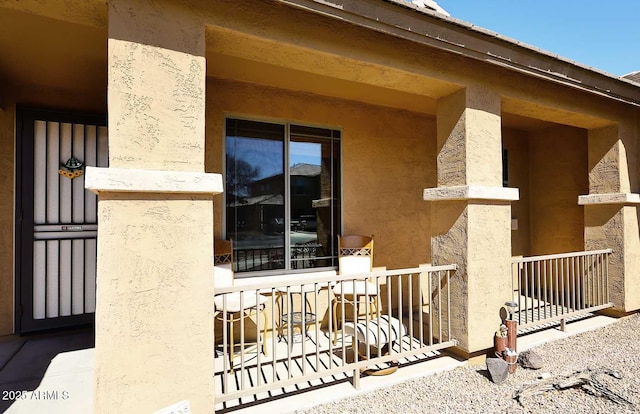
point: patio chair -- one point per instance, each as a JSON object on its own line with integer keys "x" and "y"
{"x": 355, "y": 256}
{"x": 232, "y": 307}
{"x": 380, "y": 333}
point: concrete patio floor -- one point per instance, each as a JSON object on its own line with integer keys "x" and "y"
{"x": 56, "y": 371}
{"x": 47, "y": 373}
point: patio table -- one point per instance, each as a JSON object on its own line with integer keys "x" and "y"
{"x": 292, "y": 318}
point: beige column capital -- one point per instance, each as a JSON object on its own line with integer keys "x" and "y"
{"x": 133, "y": 180}
{"x": 471, "y": 192}
{"x": 609, "y": 198}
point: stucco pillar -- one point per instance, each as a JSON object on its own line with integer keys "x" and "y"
{"x": 154, "y": 320}
{"x": 611, "y": 209}
{"x": 471, "y": 214}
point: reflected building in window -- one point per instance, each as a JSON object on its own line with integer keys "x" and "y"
{"x": 282, "y": 218}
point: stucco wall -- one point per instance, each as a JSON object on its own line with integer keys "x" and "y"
{"x": 388, "y": 158}
{"x": 137, "y": 318}
{"x": 159, "y": 229}
{"x": 613, "y": 169}
{"x": 632, "y": 259}
{"x": 558, "y": 171}
{"x": 7, "y": 116}
{"x": 614, "y": 227}
{"x": 158, "y": 118}
{"x": 473, "y": 233}
{"x": 516, "y": 142}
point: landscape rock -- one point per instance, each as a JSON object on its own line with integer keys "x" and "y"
{"x": 531, "y": 360}
{"x": 468, "y": 388}
{"x": 498, "y": 370}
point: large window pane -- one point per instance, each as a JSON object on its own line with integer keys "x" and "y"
{"x": 255, "y": 194}
{"x": 314, "y": 192}
{"x": 282, "y": 218}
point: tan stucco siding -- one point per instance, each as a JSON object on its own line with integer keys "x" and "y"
{"x": 468, "y": 151}
{"x": 156, "y": 78}
{"x": 488, "y": 247}
{"x": 629, "y": 135}
{"x": 558, "y": 171}
{"x": 156, "y": 224}
{"x": 137, "y": 317}
{"x": 613, "y": 158}
{"x": 388, "y": 157}
{"x": 632, "y": 259}
{"x": 516, "y": 142}
{"x": 605, "y": 228}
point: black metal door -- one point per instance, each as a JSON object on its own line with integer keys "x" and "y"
{"x": 56, "y": 218}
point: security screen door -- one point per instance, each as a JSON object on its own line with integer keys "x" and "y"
{"x": 56, "y": 218}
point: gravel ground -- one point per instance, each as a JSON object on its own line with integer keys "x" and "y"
{"x": 468, "y": 389}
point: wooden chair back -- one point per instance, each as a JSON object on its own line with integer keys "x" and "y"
{"x": 223, "y": 262}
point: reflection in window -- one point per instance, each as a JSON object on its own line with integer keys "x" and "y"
{"x": 282, "y": 195}
{"x": 505, "y": 168}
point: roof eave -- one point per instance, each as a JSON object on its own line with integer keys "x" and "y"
{"x": 405, "y": 20}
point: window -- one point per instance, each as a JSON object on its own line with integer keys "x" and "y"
{"x": 505, "y": 168}
{"x": 282, "y": 196}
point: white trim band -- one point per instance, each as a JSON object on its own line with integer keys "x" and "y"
{"x": 609, "y": 198}
{"x": 471, "y": 192}
{"x": 126, "y": 180}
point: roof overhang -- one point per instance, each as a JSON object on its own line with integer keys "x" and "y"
{"x": 405, "y": 20}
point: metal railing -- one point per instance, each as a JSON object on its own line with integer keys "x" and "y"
{"x": 303, "y": 256}
{"x": 560, "y": 286}
{"x": 287, "y": 339}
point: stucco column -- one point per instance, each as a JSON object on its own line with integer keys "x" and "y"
{"x": 471, "y": 214}
{"x": 611, "y": 209}
{"x": 154, "y": 311}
